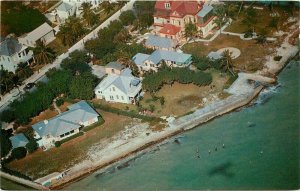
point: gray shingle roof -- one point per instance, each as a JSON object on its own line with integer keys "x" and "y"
{"x": 39, "y": 32}
{"x": 124, "y": 82}
{"x": 115, "y": 65}
{"x": 66, "y": 121}
{"x": 139, "y": 58}
{"x": 161, "y": 42}
{"x": 18, "y": 140}
{"x": 160, "y": 55}
{"x": 205, "y": 10}
{"x": 9, "y": 46}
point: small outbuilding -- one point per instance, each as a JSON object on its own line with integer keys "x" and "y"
{"x": 18, "y": 140}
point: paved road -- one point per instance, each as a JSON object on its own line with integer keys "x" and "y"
{"x": 37, "y": 76}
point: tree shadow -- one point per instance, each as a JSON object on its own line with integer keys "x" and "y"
{"x": 222, "y": 169}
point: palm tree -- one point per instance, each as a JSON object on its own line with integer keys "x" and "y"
{"x": 88, "y": 14}
{"x": 107, "y": 6}
{"x": 190, "y": 30}
{"x": 226, "y": 61}
{"x": 221, "y": 18}
{"x": 43, "y": 54}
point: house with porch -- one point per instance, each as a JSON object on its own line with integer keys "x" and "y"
{"x": 170, "y": 18}
{"x": 64, "y": 125}
{"x": 18, "y": 140}
{"x": 12, "y": 53}
{"x": 120, "y": 87}
{"x": 44, "y": 33}
{"x": 63, "y": 11}
{"x": 161, "y": 43}
{"x": 153, "y": 62}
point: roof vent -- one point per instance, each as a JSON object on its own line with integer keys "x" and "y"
{"x": 46, "y": 122}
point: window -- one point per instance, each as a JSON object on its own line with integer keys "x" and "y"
{"x": 111, "y": 97}
{"x": 8, "y": 59}
{"x": 167, "y": 5}
{"x": 61, "y": 136}
{"x": 117, "y": 96}
{"x": 72, "y": 131}
{"x": 113, "y": 71}
{"x": 122, "y": 97}
{"x": 113, "y": 88}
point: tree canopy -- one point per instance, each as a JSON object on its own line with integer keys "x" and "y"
{"x": 82, "y": 86}
{"x": 77, "y": 62}
{"x": 154, "y": 81}
{"x": 127, "y": 17}
{"x": 19, "y": 153}
{"x": 15, "y": 18}
{"x": 5, "y": 142}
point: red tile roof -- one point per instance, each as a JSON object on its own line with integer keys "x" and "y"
{"x": 178, "y": 8}
{"x": 169, "y": 29}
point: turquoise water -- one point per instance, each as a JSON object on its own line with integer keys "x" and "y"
{"x": 261, "y": 150}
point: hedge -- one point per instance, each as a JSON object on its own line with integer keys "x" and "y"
{"x": 15, "y": 173}
{"x": 58, "y": 143}
{"x": 125, "y": 113}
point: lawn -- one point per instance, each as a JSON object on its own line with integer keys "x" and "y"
{"x": 252, "y": 54}
{"x": 41, "y": 163}
{"x": 263, "y": 20}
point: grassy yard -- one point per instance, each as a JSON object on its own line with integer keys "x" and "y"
{"x": 58, "y": 46}
{"x": 263, "y": 20}
{"x": 41, "y": 163}
{"x": 252, "y": 54}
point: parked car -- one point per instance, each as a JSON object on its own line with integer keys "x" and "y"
{"x": 29, "y": 86}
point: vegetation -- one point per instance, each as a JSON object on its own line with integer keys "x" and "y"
{"x": 31, "y": 146}
{"x": 250, "y": 18}
{"x": 5, "y": 142}
{"x": 88, "y": 14}
{"x": 71, "y": 31}
{"x": 10, "y": 80}
{"x": 58, "y": 143}
{"x": 144, "y": 11}
{"x": 14, "y": 173}
{"x": 19, "y": 153}
{"x": 15, "y": 17}
{"x": 222, "y": 17}
{"x": 154, "y": 81}
{"x": 77, "y": 62}
{"x": 127, "y": 17}
{"x": 132, "y": 114}
{"x": 190, "y": 30}
{"x": 43, "y": 54}
{"x": 59, "y": 102}
{"x": 82, "y": 86}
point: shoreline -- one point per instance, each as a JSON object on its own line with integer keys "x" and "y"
{"x": 195, "y": 119}
{"x": 242, "y": 94}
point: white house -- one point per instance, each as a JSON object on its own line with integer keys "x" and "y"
{"x": 147, "y": 62}
{"x": 13, "y": 53}
{"x": 78, "y": 3}
{"x": 64, "y": 125}
{"x": 44, "y": 33}
{"x": 63, "y": 11}
{"x": 120, "y": 87}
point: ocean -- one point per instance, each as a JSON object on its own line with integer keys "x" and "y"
{"x": 255, "y": 147}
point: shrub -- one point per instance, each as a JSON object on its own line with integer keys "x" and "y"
{"x": 162, "y": 100}
{"x": 14, "y": 173}
{"x": 19, "y": 153}
{"x": 71, "y": 137}
{"x": 5, "y": 143}
{"x": 57, "y": 144}
{"x": 7, "y": 116}
{"x": 277, "y": 58}
{"x": 31, "y": 146}
{"x": 152, "y": 107}
{"x": 59, "y": 102}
